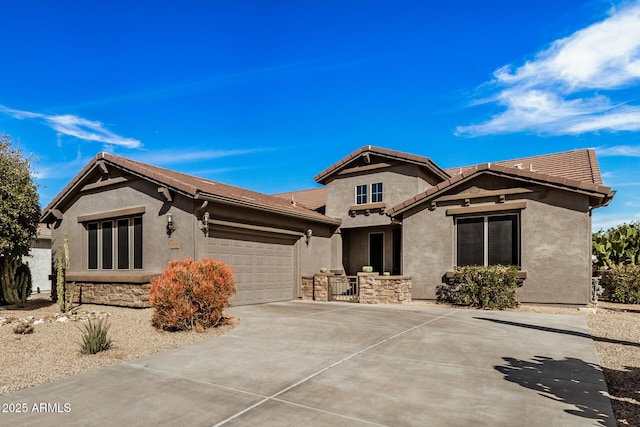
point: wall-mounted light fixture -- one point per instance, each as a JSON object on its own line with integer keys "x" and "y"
{"x": 170, "y": 225}
{"x": 204, "y": 224}
{"x": 308, "y": 235}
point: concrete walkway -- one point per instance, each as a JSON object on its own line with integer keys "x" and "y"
{"x": 329, "y": 364}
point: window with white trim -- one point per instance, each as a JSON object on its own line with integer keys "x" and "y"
{"x": 115, "y": 243}
{"x": 376, "y": 192}
{"x": 361, "y": 194}
{"x": 488, "y": 240}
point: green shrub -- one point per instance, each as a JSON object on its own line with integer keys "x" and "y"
{"x": 491, "y": 287}
{"x": 191, "y": 295}
{"x": 95, "y": 336}
{"x": 622, "y": 284}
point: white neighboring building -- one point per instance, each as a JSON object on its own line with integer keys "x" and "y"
{"x": 40, "y": 260}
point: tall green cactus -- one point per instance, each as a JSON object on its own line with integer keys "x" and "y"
{"x": 15, "y": 281}
{"x": 65, "y": 299}
{"x": 617, "y": 246}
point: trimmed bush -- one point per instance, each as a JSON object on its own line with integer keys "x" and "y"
{"x": 622, "y": 284}
{"x": 95, "y": 336}
{"x": 491, "y": 287}
{"x": 191, "y": 295}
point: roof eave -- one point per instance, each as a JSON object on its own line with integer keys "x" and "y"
{"x": 257, "y": 206}
{"x": 605, "y": 194}
{"x": 425, "y": 162}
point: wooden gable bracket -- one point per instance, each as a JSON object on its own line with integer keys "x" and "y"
{"x": 367, "y": 158}
{"x": 103, "y": 167}
{"x": 202, "y": 207}
{"x": 57, "y": 214}
{"x": 165, "y": 192}
{"x": 433, "y": 206}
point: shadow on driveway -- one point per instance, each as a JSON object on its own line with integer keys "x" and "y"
{"x": 566, "y": 380}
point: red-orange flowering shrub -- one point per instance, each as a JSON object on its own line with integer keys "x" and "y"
{"x": 190, "y": 294}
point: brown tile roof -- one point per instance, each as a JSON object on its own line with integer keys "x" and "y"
{"x": 314, "y": 198}
{"x": 596, "y": 189}
{"x": 579, "y": 165}
{"x": 43, "y": 232}
{"x": 391, "y": 154}
{"x": 192, "y": 186}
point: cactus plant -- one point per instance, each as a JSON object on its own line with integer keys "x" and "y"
{"x": 617, "y": 246}
{"x": 16, "y": 281}
{"x": 65, "y": 299}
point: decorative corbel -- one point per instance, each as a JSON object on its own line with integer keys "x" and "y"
{"x": 103, "y": 167}
{"x": 165, "y": 193}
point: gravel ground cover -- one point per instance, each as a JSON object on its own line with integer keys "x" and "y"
{"x": 52, "y": 351}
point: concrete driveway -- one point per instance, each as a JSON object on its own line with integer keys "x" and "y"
{"x": 328, "y": 364}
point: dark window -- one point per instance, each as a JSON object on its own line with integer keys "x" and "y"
{"x": 376, "y": 192}
{"x": 107, "y": 245}
{"x": 488, "y": 240}
{"x": 123, "y": 244}
{"x": 92, "y": 232}
{"x": 503, "y": 238}
{"x": 137, "y": 242}
{"x": 470, "y": 241}
{"x": 361, "y": 194}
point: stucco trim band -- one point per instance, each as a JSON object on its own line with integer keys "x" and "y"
{"x": 109, "y": 277}
{"x": 255, "y": 228}
{"x": 112, "y": 214}
{"x": 487, "y": 208}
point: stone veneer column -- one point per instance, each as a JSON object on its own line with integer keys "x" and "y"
{"x": 321, "y": 287}
{"x": 307, "y": 288}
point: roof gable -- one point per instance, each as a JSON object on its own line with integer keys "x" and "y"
{"x": 363, "y": 156}
{"x": 188, "y": 185}
{"x": 600, "y": 195}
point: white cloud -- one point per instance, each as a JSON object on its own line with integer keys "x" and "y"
{"x": 619, "y": 150}
{"x": 559, "y": 92}
{"x": 186, "y": 155}
{"x": 78, "y": 127}
{"x": 603, "y": 221}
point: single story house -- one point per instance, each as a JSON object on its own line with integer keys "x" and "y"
{"x": 396, "y": 212}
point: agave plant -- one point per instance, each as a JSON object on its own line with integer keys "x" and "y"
{"x": 95, "y": 336}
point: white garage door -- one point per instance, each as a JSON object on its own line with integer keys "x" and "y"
{"x": 262, "y": 265}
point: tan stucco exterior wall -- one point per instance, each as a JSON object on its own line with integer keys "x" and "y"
{"x": 400, "y": 182}
{"x": 555, "y": 247}
{"x": 157, "y": 245}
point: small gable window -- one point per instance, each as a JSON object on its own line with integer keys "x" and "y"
{"x": 488, "y": 240}
{"x": 116, "y": 242}
{"x": 376, "y": 192}
{"x": 361, "y": 194}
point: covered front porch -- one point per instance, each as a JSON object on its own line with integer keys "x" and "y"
{"x": 378, "y": 247}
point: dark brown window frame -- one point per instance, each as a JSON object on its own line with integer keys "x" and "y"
{"x": 112, "y": 254}
{"x": 516, "y": 238}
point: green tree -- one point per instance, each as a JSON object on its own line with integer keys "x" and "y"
{"x": 19, "y": 216}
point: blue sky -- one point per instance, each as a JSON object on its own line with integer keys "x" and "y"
{"x": 266, "y": 94}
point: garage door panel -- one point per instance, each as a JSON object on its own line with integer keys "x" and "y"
{"x": 263, "y": 266}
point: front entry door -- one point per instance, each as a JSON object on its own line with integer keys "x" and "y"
{"x": 376, "y": 252}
